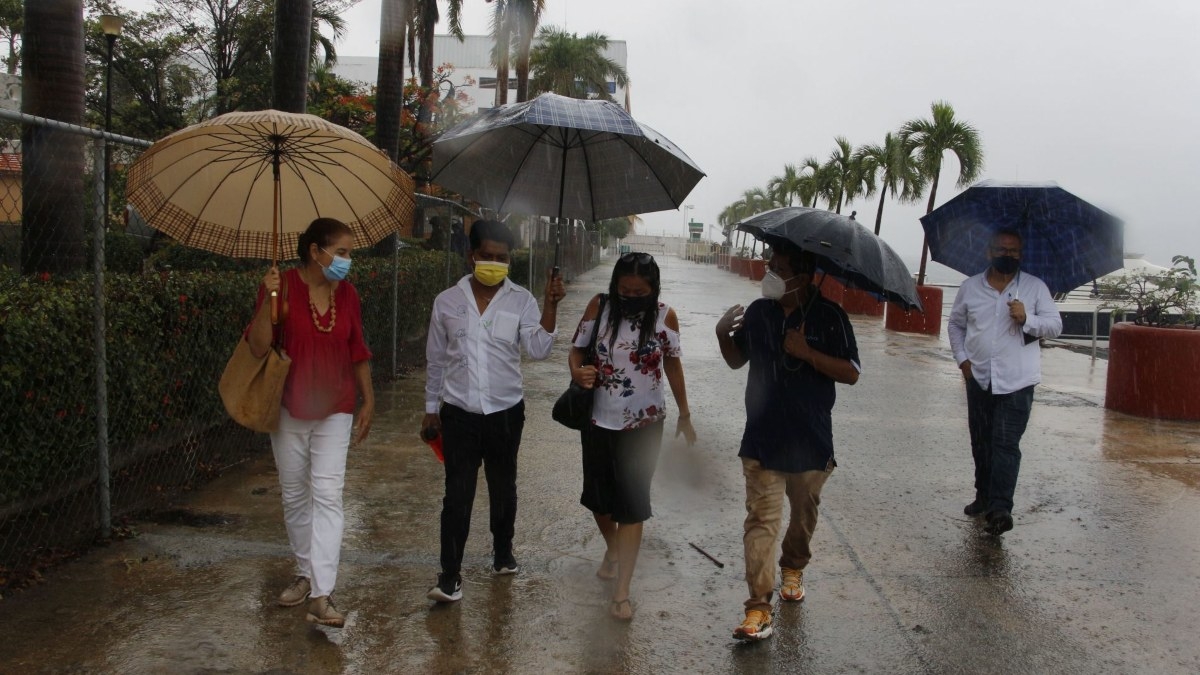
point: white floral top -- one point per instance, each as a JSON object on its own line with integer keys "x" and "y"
{"x": 631, "y": 388}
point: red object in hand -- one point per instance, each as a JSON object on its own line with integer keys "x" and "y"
{"x": 431, "y": 436}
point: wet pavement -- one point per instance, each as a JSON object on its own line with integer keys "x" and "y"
{"x": 1101, "y": 574}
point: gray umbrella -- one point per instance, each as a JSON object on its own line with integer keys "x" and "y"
{"x": 844, "y": 249}
{"x": 564, "y": 157}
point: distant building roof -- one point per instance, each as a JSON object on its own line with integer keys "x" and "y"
{"x": 10, "y": 162}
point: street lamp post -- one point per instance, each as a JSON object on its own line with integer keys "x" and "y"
{"x": 111, "y": 24}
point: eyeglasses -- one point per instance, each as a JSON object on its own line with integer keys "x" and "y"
{"x": 641, "y": 258}
{"x": 998, "y": 250}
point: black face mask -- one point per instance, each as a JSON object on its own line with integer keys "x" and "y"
{"x": 634, "y": 305}
{"x": 1006, "y": 264}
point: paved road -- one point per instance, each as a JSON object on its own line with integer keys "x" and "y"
{"x": 1101, "y": 574}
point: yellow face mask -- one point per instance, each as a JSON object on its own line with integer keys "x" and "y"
{"x": 490, "y": 273}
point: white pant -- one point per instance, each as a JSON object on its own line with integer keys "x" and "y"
{"x": 311, "y": 458}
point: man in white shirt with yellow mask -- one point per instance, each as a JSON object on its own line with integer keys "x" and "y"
{"x": 474, "y": 393}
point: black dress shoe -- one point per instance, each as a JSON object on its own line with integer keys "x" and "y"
{"x": 999, "y": 522}
{"x": 976, "y": 508}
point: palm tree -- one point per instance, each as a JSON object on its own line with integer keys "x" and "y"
{"x": 502, "y": 36}
{"x": 574, "y": 66}
{"x": 291, "y": 55}
{"x": 527, "y": 14}
{"x": 814, "y": 184}
{"x": 785, "y": 187}
{"x": 428, "y": 17}
{"x": 52, "y": 232}
{"x": 930, "y": 139}
{"x": 847, "y": 179}
{"x": 895, "y": 169}
{"x": 395, "y": 16}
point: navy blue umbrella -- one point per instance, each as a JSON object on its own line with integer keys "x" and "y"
{"x": 1067, "y": 242}
{"x": 843, "y": 247}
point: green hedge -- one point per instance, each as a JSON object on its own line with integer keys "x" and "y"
{"x": 169, "y": 335}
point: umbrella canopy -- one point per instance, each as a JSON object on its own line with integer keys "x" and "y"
{"x": 1067, "y": 242}
{"x": 844, "y": 249}
{"x": 564, "y": 157}
{"x": 246, "y": 184}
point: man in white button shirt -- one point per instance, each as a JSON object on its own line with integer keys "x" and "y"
{"x": 474, "y": 395}
{"x": 997, "y": 319}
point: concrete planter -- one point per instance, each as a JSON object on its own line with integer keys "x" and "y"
{"x": 928, "y": 322}
{"x": 758, "y": 269}
{"x": 831, "y": 288}
{"x": 861, "y": 302}
{"x": 743, "y": 267}
{"x": 1152, "y": 372}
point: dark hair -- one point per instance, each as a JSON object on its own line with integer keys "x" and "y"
{"x": 640, "y": 265}
{"x": 491, "y": 230}
{"x": 1007, "y": 232}
{"x": 321, "y": 232}
{"x": 799, "y": 260}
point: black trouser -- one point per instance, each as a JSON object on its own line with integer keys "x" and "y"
{"x": 997, "y": 422}
{"x": 468, "y": 439}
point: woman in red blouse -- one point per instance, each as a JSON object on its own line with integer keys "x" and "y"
{"x": 322, "y": 334}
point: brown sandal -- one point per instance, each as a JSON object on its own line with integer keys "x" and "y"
{"x": 608, "y": 570}
{"x": 621, "y": 610}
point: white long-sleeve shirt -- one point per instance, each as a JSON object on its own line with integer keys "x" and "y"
{"x": 473, "y": 361}
{"x": 982, "y": 332}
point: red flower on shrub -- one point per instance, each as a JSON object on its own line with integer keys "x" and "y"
{"x": 182, "y": 299}
{"x": 60, "y": 414}
{"x": 29, "y": 394}
{"x": 44, "y": 276}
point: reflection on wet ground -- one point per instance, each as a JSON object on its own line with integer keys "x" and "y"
{"x": 1100, "y": 575}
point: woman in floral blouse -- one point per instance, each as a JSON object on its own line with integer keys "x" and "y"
{"x": 637, "y": 345}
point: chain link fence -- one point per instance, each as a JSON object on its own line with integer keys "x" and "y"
{"x": 113, "y": 338}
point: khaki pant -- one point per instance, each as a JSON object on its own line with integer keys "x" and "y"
{"x": 764, "y": 515}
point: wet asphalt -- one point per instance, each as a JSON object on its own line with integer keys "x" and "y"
{"x": 1101, "y": 573}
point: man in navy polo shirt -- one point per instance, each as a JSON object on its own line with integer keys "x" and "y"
{"x": 798, "y": 344}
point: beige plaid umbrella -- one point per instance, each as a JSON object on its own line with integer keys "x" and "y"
{"x": 246, "y": 184}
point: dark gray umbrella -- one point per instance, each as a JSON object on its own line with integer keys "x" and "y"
{"x": 844, "y": 249}
{"x": 564, "y": 157}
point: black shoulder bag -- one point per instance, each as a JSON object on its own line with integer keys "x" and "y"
{"x": 573, "y": 409}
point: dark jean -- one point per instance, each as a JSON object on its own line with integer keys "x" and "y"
{"x": 469, "y": 439}
{"x": 997, "y": 422}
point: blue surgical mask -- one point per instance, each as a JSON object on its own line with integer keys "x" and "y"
{"x": 338, "y": 268}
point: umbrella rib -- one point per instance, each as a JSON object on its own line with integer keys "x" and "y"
{"x": 543, "y": 132}
{"x": 650, "y": 165}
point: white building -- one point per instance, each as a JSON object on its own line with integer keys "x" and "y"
{"x": 474, "y": 73}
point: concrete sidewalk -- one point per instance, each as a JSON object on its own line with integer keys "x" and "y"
{"x": 1101, "y": 573}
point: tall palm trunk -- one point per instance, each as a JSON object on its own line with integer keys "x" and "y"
{"x": 527, "y": 21}
{"x": 879, "y": 213}
{"x": 502, "y": 41}
{"x": 52, "y": 232}
{"x": 389, "y": 95}
{"x": 429, "y": 19}
{"x": 937, "y": 171}
{"x": 291, "y": 55}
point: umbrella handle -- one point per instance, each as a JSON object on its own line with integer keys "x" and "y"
{"x": 274, "y": 308}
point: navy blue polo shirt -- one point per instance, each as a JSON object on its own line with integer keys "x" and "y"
{"x": 789, "y": 405}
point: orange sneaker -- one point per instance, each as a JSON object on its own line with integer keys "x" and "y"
{"x": 792, "y": 586}
{"x": 756, "y": 626}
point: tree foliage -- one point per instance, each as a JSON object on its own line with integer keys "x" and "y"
{"x": 1157, "y": 298}
{"x": 569, "y": 65}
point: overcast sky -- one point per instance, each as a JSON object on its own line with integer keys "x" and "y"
{"x": 1100, "y": 96}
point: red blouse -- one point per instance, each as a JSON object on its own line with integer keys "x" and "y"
{"x": 321, "y": 380}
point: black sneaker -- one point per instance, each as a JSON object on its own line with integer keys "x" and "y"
{"x": 999, "y": 522}
{"x": 976, "y": 508}
{"x": 505, "y": 565}
{"x": 448, "y": 589}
